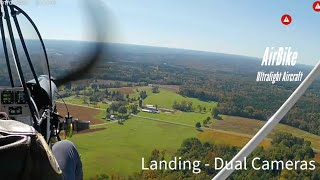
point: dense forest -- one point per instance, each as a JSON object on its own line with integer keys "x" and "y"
{"x": 284, "y": 147}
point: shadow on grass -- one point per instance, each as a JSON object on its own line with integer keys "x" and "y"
{"x": 90, "y": 131}
{"x": 201, "y": 130}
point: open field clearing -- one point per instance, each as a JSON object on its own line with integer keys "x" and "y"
{"x": 226, "y": 138}
{"x": 251, "y": 126}
{"x": 79, "y": 101}
{"x": 125, "y": 90}
{"x": 112, "y": 148}
{"x": 172, "y": 88}
{"x": 134, "y": 91}
{"x": 166, "y": 99}
{"x": 119, "y": 148}
{"x": 190, "y": 118}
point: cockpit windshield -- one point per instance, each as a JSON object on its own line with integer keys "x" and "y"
{"x": 23, "y": 53}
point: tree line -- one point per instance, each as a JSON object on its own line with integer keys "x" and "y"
{"x": 284, "y": 147}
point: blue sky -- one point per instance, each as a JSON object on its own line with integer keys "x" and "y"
{"x": 244, "y": 27}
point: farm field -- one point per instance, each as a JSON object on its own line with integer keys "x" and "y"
{"x": 228, "y": 138}
{"x": 166, "y": 98}
{"x": 79, "y": 101}
{"x": 251, "y": 126}
{"x": 188, "y": 118}
{"x": 133, "y": 90}
{"x": 107, "y": 149}
{"x": 119, "y": 148}
{"x": 82, "y": 113}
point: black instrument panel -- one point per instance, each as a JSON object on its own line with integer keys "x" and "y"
{"x": 15, "y": 111}
{"x": 13, "y": 103}
{"x": 13, "y": 97}
{"x": 7, "y": 97}
{"x": 20, "y": 97}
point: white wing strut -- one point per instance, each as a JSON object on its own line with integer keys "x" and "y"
{"x": 272, "y": 122}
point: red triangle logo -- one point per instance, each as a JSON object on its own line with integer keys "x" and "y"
{"x": 316, "y": 6}
{"x": 286, "y": 19}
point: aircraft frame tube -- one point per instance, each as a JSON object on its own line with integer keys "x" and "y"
{"x": 271, "y": 123}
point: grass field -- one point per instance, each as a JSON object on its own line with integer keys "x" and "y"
{"x": 79, "y": 101}
{"x": 132, "y": 91}
{"x": 108, "y": 150}
{"x": 119, "y": 148}
{"x": 251, "y": 126}
{"x": 166, "y": 98}
{"x": 227, "y": 138}
{"x": 189, "y": 118}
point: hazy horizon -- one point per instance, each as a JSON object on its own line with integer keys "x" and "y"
{"x": 258, "y": 59}
{"x": 230, "y": 27}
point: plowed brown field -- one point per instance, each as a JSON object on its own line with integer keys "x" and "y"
{"x": 81, "y": 113}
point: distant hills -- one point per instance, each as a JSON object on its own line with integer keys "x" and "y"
{"x": 68, "y": 54}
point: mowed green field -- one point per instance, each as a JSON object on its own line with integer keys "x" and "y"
{"x": 118, "y": 149}
{"x": 166, "y": 99}
{"x": 79, "y": 101}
